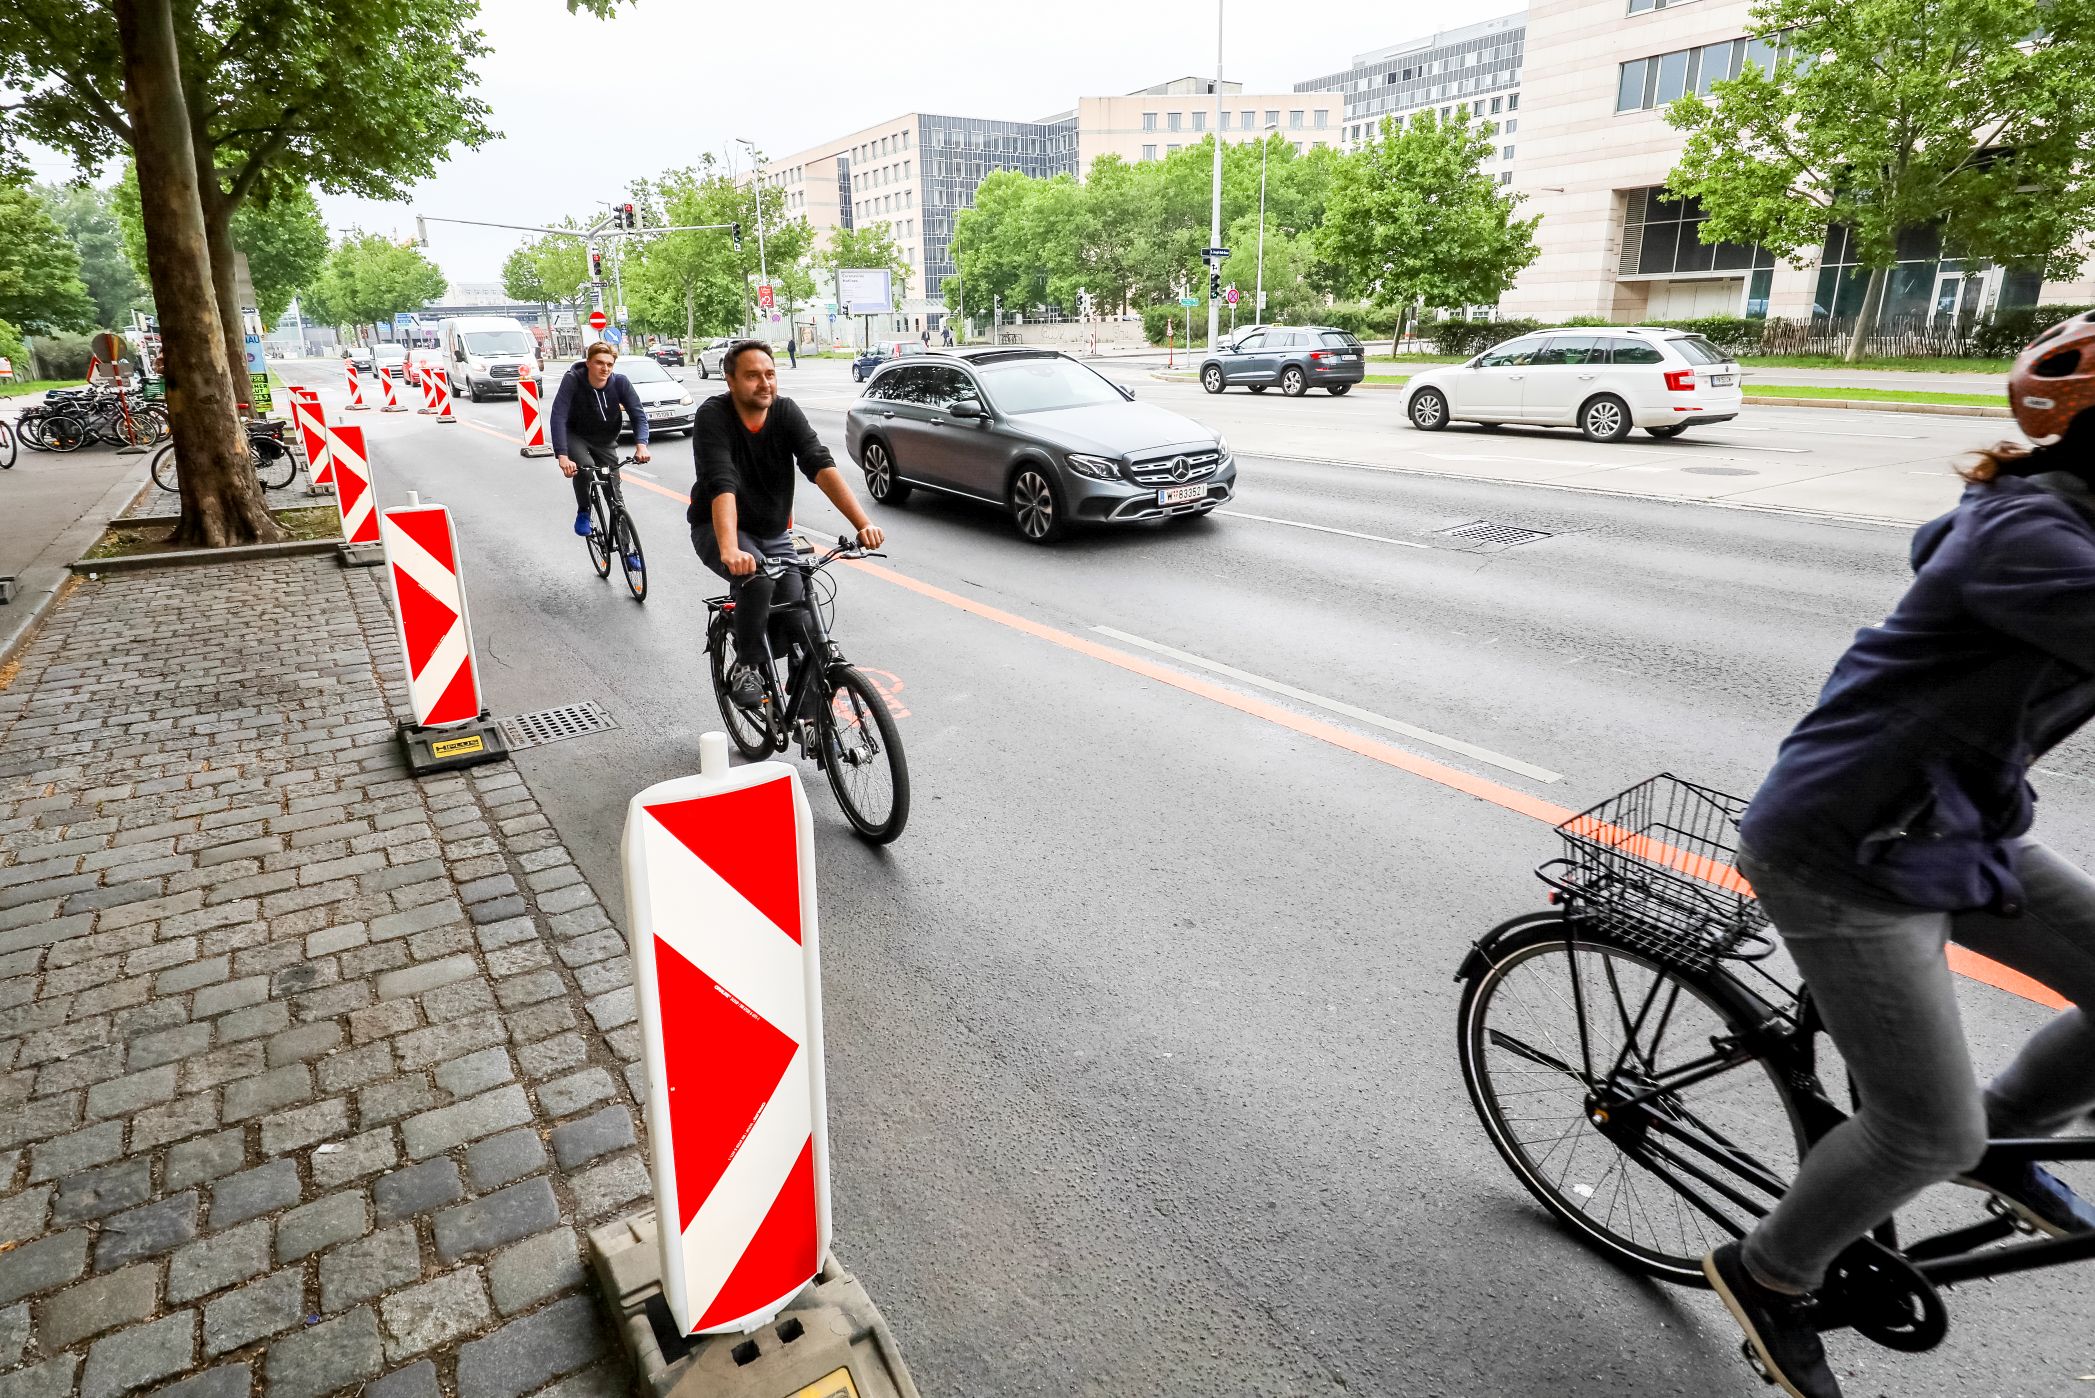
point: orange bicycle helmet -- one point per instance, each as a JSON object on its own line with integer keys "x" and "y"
{"x": 2053, "y": 380}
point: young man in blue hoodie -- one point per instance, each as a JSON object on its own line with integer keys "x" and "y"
{"x": 586, "y": 422}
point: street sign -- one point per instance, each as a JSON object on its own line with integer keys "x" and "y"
{"x": 598, "y": 320}
{"x": 614, "y": 336}
{"x": 1214, "y": 254}
{"x": 868, "y": 291}
{"x": 1230, "y": 296}
{"x": 622, "y": 316}
{"x": 1189, "y": 300}
{"x": 764, "y": 296}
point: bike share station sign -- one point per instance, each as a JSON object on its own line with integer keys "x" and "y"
{"x": 727, "y": 1289}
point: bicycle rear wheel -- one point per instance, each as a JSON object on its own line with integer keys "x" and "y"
{"x": 8, "y": 449}
{"x": 63, "y": 432}
{"x": 274, "y": 464}
{"x": 599, "y": 540}
{"x": 1655, "y": 1184}
{"x": 626, "y": 540}
{"x": 752, "y": 731}
{"x": 862, "y": 753}
{"x": 164, "y": 474}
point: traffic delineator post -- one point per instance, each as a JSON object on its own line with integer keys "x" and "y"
{"x": 534, "y": 418}
{"x": 392, "y": 396}
{"x": 428, "y": 387}
{"x": 356, "y": 495}
{"x": 441, "y": 379}
{"x": 721, "y": 923}
{"x": 310, "y": 419}
{"x": 451, "y": 728}
{"x": 356, "y": 402}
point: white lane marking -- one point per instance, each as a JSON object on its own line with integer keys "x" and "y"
{"x": 1423, "y": 735}
{"x": 1326, "y": 529}
{"x": 638, "y": 472}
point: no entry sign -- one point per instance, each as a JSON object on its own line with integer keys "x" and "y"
{"x": 597, "y": 321}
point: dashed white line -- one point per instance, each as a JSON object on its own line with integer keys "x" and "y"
{"x": 1326, "y": 529}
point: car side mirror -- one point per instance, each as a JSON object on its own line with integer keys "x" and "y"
{"x": 967, "y": 408}
{"x": 1126, "y": 392}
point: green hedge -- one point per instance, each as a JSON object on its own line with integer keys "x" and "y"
{"x": 2003, "y": 334}
{"x": 11, "y": 349}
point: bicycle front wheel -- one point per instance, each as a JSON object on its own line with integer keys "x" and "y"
{"x": 1578, "y": 1050}
{"x": 599, "y": 540}
{"x": 164, "y": 474}
{"x": 626, "y": 539}
{"x": 64, "y": 432}
{"x": 862, "y": 752}
{"x": 274, "y": 464}
{"x": 8, "y": 448}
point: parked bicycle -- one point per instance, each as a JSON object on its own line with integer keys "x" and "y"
{"x": 823, "y": 705}
{"x": 70, "y": 418}
{"x": 612, "y": 533}
{"x": 1655, "y": 1086}
{"x": 267, "y": 451}
{"x": 8, "y": 448}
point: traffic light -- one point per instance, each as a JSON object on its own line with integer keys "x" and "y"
{"x": 1214, "y": 286}
{"x": 735, "y": 229}
{"x": 596, "y": 265}
{"x": 626, "y": 217}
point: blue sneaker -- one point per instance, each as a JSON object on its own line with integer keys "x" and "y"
{"x": 2035, "y": 1195}
{"x": 633, "y": 563}
{"x": 582, "y": 526}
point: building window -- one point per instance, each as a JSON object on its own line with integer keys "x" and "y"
{"x": 1225, "y": 121}
{"x": 1662, "y": 236}
{"x": 1248, "y": 122}
{"x": 1657, "y": 81}
{"x": 1505, "y": 177}
{"x": 1513, "y": 127}
{"x": 1295, "y": 120}
{"x": 1172, "y": 120}
{"x": 1173, "y": 149}
{"x": 1645, "y": 7}
{"x": 1200, "y": 121}
{"x": 1323, "y": 118}
{"x": 1513, "y": 102}
{"x": 1272, "y": 118}
{"x": 1498, "y": 104}
{"x": 1149, "y": 121}
{"x": 1149, "y": 152}
{"x": 1506, "y": 154}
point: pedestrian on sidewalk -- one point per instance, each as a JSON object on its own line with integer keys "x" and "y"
{"x": 947, "y": 331}
{"x": 793, "y": 351}
{"x": 927, "y": 337}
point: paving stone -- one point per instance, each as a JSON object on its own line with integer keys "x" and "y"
{"x": 383, "y": 1020}
{"x": 183, "y": 1117}
{"x": 226, "y": 1381}
{"x": 415, "y": 1381}
{"x": 252, "y": 1193}
{"x": 146, "y": 1232}
{"x": 183, "y": 1041}
{"x": 204, "y": 1159}
{"x": 413, "y": 920}
{"x": 321, "y": 1224}
{"x": 102, "y": 1303}
{"x": 325, "y": 1357}
{"x": 231, "y": 995}
{"x": 597, "y": 946}
{"x": 514, "y": 961}
{"x": 458, "y": 1001}
{"x": 22, "y": 1215}
{"x": 566, "y": 900}
{"x": 425, "y": 1048}
{"x": 255, "y": 1022}
{"x": 604, "y": 976}
{"x": 605, "y": 1187}
{"x": 51, "y": 1379}
{"x": 501, "y": 1217}
{"x": 330, "y": 940}
{"x": 525, "y": 1353}
{"x": 123, "y": 1096}
{"x": 268, "y": 1307}
{"x": 362, "y": 1270}
{"x": 475, "y": 1073}
{"x": 497, "y": 909}
{"x": 597, "y": 1134}
{"x": 500, "y": 1159}
{"x": 77, "y": 1151}
{"x": 271, "y": 1091}
{"x": 416, "y": 1190}
{"x": 339, "y": 1162}
{"x": 448, "y": 1127}
{"x": 568, "y": 1095}
{"x": 194, "y": 976}
{"x": 341, "y": 1071}
{"x": 224, "y": 1065}
{"x": 98, "y": 1192}
{"x": 520, "y": 991}
{"x": 14, "y": 1333}
{"x": 219, "y": 1262}
{"x": 297, "y": 1129}
{"x": 332, "y": 1000}
{"x": 81, "y": 1070}
{"x": 435, "y": 1313}
{"x": 507, "y": 932}
{"x": 304, "y": 1042}
{"x": 534, "y": 1269}
{"x": 41, "y": 1265}
{"x": 414, "y": 980}
{"x": 548, "y": 1057}
{"x": 390, "y": 1101}
{"x": 613, "y": 1008}
{"x": 139, "y": 1356}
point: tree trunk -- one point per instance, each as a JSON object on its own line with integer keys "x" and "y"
{"x": 1872, "y": 308}
{"x": 218, "y": 236}
{"x": 690, "y": 320}
{"x": 221, "y": 497}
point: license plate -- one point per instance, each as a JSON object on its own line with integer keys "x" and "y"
{"x": 1180, "y": 494}
{"x": 653, "y": 413}
{"x": 1723, "y": 380}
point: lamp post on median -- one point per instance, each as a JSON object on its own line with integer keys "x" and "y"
{"x": 1265, "y": 148}
{"x": 757, "y": 184}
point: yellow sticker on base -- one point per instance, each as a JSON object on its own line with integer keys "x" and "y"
{"x": 457, "y": 747}
{"x": 831, "y": 1385}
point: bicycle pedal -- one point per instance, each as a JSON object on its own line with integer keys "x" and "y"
{"x": 1753, "y": 1360}
{"x": 2002, "y": 1209}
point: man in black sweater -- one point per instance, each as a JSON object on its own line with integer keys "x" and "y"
{"x": 746, "y": 443}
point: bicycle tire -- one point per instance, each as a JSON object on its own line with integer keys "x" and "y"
{"x": 625, "y": 539}
{"x": 8, "y": 449}
{"x": 1508, "y": 1078}
{"x": 63, "y": 432}
{"x": 165, "y": 474}
{"x": 274, "y": 465}
{"x": 599, "y": 540}
{"x": 755, "y": 736}
{"x": 841, "y": 757}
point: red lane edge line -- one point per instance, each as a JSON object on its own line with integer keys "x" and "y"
{"x": 1964, "y": 962}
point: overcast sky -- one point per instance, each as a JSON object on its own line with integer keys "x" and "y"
{"x": 687, "y": 77}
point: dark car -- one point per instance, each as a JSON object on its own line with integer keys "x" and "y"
{"x": 668, "y": 355}
{"x": 1037, "y": 433}
{"x": 880, "y": 353}
{"x": 1296, "y": 357}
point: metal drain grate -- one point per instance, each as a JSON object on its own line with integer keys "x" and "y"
{"x": 1503, "y": 535}
{"x": 552, "y": 725}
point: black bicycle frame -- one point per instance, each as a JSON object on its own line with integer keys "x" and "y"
{"x": 800, "y": 680}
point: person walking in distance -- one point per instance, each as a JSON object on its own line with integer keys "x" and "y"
{"x": 585, "y": 422}
{"x": 793, "y": 351}
{"x": 745, "y": 445}
{"x": 1895, "y": 821}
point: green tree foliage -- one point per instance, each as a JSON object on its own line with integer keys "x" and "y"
{"x": 689, "y": 283}
{"x": 1968, "y": 116}
{"x": 286, "y": 246}
{"x": 369, "y": 280}
{"x": 89, "y": 218}
{"x": 40, "y": 285}
{"x": 1411, "y": 220}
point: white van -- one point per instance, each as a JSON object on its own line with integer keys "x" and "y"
{"x": 487, "y": 354}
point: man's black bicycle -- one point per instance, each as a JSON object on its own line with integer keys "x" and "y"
{"x": 825, "y": 706}
{"x": 611, "y": 530}
{"x": 1655, "y": 1086}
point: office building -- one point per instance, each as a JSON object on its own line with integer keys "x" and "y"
{"x": 1477, "y": 66}
{"x": 1152, "y": 123}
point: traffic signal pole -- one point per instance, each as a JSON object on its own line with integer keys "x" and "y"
{"x": 1215, "y": 203}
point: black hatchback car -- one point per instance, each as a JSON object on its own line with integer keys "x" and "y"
{"x": 1298, "y": 358}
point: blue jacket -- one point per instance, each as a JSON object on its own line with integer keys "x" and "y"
{"x": 578, "y": 409}
{"x": 1908, "y": 779}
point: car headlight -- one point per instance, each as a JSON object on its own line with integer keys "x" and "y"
{"x": 687, "y": 400}
{"x": 1096, "y": 467}
{"x": 1223, "y": 455}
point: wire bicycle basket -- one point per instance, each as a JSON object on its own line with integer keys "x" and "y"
{"x": 1656, "y": 866}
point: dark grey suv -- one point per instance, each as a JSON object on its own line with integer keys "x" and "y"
{"x": 1297, "y": 358}
{"x": 1037, "y": 433}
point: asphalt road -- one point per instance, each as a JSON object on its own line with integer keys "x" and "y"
{"x": 1142, "y": 1068}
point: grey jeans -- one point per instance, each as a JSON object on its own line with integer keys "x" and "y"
{"x": 1881, "y": 981}
{"x": 753, "y": 595}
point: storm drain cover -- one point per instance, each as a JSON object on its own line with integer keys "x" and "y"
{"x": 553, "y": 725}
{"x": 1503, "y": 535}
{"x": 1719, "y": 471}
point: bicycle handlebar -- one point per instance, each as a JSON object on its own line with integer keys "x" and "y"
{"x": 846, "y": 547}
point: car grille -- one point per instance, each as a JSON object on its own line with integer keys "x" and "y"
{"x": 505, "y": 371}
{"x": 1164, "y": 470}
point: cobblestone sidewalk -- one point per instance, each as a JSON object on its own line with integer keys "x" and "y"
{"x": 310, "y": 1073}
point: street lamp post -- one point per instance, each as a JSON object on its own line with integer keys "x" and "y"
{"x": 1215, "y": 201}
{"x": 1265, "y": 148}
{"x": 757, "y": 184}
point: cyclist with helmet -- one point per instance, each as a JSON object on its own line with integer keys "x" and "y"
{"x": 1895, "y": 821}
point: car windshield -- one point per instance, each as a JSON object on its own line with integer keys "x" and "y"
{"x": 489, "y": 342}
{"x": 1044, "y": 385}
{"x": 1697, "y": 350}
{"x": 390, "y": 352}
{"x": 640, "y": 369}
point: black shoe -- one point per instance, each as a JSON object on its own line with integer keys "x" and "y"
{"x": 745, "y": 687}
{"x": 1779, "y": 1328}
{"x": 2035, "y": 1195}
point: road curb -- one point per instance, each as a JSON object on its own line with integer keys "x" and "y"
{"x": 185, "y": 558}
{"x": 20, "y": 618}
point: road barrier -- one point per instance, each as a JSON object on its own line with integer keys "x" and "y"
{"x": 356, "y": 389}
{"x": 450, "y": 728}
{"x": 385, "y": 382}
{"x": 534, "y": 418}
{"x": 356, "y": 495}
{"x": 428, "y": 387}
{"x": 310, "y": 419}
{"x": 441, "y": 378}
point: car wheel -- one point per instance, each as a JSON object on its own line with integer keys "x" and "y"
{"x": 1258, "y": 387}
{"x": 1293, "y": 382}
{"x": 881, "y": 482}
{"x": 1605, "y": 419}
{"x": 1211, "y": 378}
{"x": 1339, "y": 390}
{"x": 1429, "y": 410}
{"x": 1036, "y": 506}
{"x": 1667, "y": 433}
{"x": 702, "y": 370}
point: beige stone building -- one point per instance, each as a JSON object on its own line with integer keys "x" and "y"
{"x": 1152, "y": 123}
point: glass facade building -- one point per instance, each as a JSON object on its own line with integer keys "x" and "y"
{"x": 958, "y": 153}
{"x": 1478, "y": 66}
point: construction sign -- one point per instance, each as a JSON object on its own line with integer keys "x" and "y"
{"x": 429, "y": 616}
